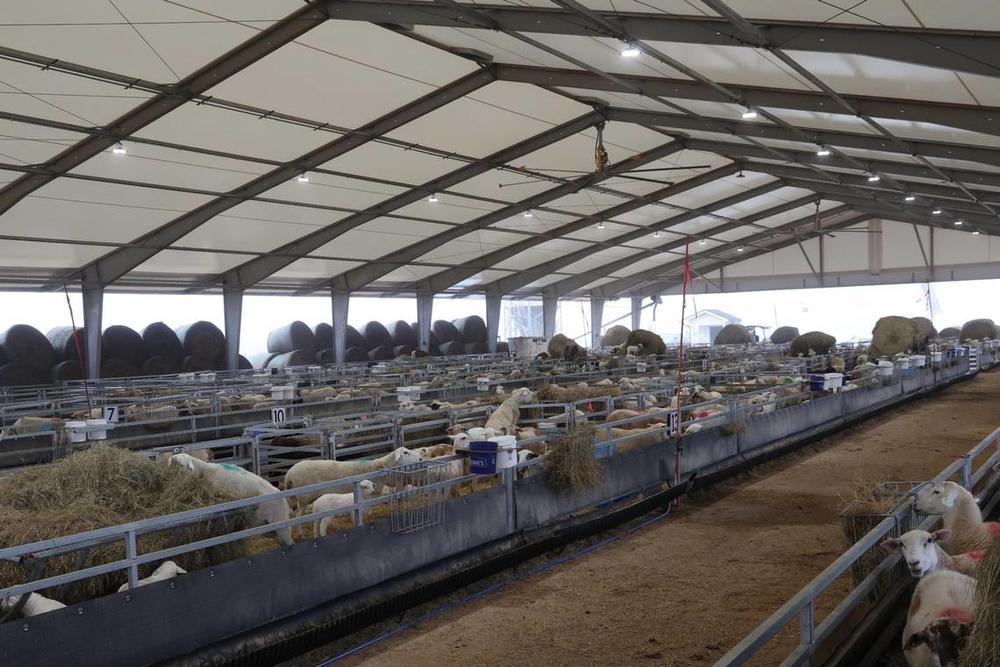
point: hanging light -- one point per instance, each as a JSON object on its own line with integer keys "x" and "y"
{"x": 119, "y": 149}
{"x": 740, "y": 174}
{"x": 936, "y": 211}
{"x": 600, "y": 225}
{"x": 874, "y": 178}
{"x": 528, "y": 213}
{"x": 701, "y": 242}
{"x": 303, "y": 178}
{"x": 909, "y": 197}
{"x": 630, "y": 51}
{"x": 740, "y": 249}
{"x": 957, "y": 223}
{"x": 822, "y": 151}
{"x": 656, "y": 234}
{"x": 433, "y": 198}
{"x": 748, "y": 114}
{"x": 975, "y": 232}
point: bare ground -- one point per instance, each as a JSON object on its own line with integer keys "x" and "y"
{"x": 684, "y": 590}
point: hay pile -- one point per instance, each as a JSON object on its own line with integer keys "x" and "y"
{"x": 863, "y": 508}
{"x": 647, "y": 341}
{"x": 977, "y": 330}
{"x": 732, "y": 334}
{"x": 553, "y": 393}
{"x": 105, "y": 486}
{"x": 570, "y": 463}
{"x": 894, "y": 334}
{"x": 784, "y": 335}
{"x": 815, "y": 341}
{"x": 984, "y": 644}
{"x": 616, "y": 335}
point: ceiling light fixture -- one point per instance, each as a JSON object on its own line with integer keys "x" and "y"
{"x": 701, "y": 242}
{"x": 975, "y": 232}
{"x": 874, "y": 178}
{"x": 656, "y": 234}
{"x": 740, "y": 249}
{"x": 119, "y": 149}
{"x": 740, "y": 174}
{"x": 630, "y": 51}
{"x": 433, "y": 198}
{"x": 749, "y": 114}
{"x": 909, "y": 197}
{"x": 936, "y": 211}
{"x": 303, "y": 178}
{"x": 528, "y": 213}
{"x": 957, "y": 223}
{"x": 822, "y": 151}
{"x": 600, "y": 225}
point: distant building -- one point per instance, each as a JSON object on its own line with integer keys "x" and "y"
{"x": 703, "y": 327}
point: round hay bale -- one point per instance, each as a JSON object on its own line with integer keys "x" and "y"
{"x": 647, "y": 340}
{"x": 925, "y": 327}
{"x": 564, "y": 347}
{"x": 452, "y": 348}
{"x": 202, "y": 339}
{"x": 376, "y": 335}
{"x": 783, "y": 335}
{"x": 323, "y": 334}
{"x": 159, "y": 365}
{"x": 434, "y": 341}
{"x": 732, "y": 334}
{"x": 118, "y": 368}
{"x": 121, "y": 342}
{"x": 17, "y": 374}
{"x": 381, "y": 353}
{"x": 261, "y": 359}
{"x": 293, "y": 336}
{"x": 353, "y": 338}
{"x": 817, "y": 341}
{"x": 242, "y": 363}
{"x": 971, "y": 330}
{"x": 478, "y": 347}
{"x": 64, "y": 344}
{"x": 503, "y": 348}
{"x": 470, "y": 329}
{"x": 614, "y": 336}
{"x": 193, "y": 364}
{"x": 293, "y": 358}
{"x": 401, "y": 350}
{"x": 402, "y": 334}
{"x": 892, "y": 335}
{"x": 355, "y": 354}
{"x": 159, "y": 340}
{"x": 327, "y": 356}
{"x": 445, "y": 331}
{"x": 950, "y": 332}
{"x": 27, "y": 345}
{"x": 66, "y": 371}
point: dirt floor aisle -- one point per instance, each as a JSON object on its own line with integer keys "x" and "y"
{"x": 684, "y": 590}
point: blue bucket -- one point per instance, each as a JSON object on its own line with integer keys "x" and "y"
{"x": 483, "y": 458}
{"x": 817, "y": 382}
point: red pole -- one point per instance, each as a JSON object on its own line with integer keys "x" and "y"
{"x": 680, "y": 366}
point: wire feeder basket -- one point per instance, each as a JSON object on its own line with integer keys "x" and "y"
{"x": 418, "y": 497}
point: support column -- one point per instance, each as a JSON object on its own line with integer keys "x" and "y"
{"x": 875, "y": 247}
{"x": 549, "y": 304}
{"x": 232, "y": 308}
{"x": 596, "y": 319}
{"x": 636, "y": 312}
{"x": 493, "y": 302}
{"x": 425, "y": 311}
{"x": 93, "y": 313}
{"x": 341, "y": 302}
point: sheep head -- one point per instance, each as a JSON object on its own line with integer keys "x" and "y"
{"x": 367, "y": 488}
{"x": 919, "y": 549}
{"x": 183, "y": 460}
{"x": 938, "y": 498}
{"x": 403, "y": 456}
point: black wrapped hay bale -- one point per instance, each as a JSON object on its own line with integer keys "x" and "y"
{"x": 950, "y": 332}
{"x": 64, "y": 344}
{"x": 121, "y": 342}
{"x": 159, "y": 365}
{"x": 445, "y": 332}
{"x": 17, "y": 374}
{"x": 261, "y": 359}
{"x": 615, "y": 335}
{"x": 971, "y": 330}
{"x": 118, "y": 368}
{"x": 27, "y": 345}
{"x": 376, "y": 335}
{"x": 242, "y": 363}
{"x": 159, "y": 340}
{"x": 816, "y": 341}
{"x": 403, "y": 350}
{"x": 503, "y": 348}
{"x": 202, "y": 339}
{"x": 293, "y": 358}
{"x": 783, "y": 335}
{"x": 471, "y": 329}
{"x": 402, "y": 334}
{"x": 355, "y": 354}
{"x": 353, "y": 338}
{"x": 381, "y": 353}
{"x": 323, "y": 333}
{"x": 293, "y": 336}
{"x": 193, "y": 364}
{"x": 66, "y": 371}
{"x": 452, "y": 348}
{"x": 478, "y": 347}
{"x": 327, "y": 356}
{"x": 732, "y": 334}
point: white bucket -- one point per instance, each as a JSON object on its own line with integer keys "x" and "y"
{"x": 885, "y": 368}
{"x": 206, "y": 377}
{"x": 506, "y": 451}
{"x": 937, "y": 356}
{"x": 527, "y": 347}
{"x": 918, "y": 361}
{"x": 77, "y": 431}
{"x": 185, "y": 377}
{"x": 282, "y": 392}
{"x": 409, "y": 394}
{"x": 904, "y": 363}
{"x": 97, "y": 434}
{"x": 483, "y": 384}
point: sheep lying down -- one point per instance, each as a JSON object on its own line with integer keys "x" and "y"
{"x": 35, "y": 604}
{"x": 167, "y": 570}
{"x": 333, "y": 501}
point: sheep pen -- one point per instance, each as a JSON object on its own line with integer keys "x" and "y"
{"x": 100, "y": 487}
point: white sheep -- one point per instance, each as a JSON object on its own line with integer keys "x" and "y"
{"x": 305, "y": 473}
{"x": 503, "y": 420}
{"x": 333, "y": 501}
{"x": 167, "y": 570}
{"x": 35, "y": 604}
{"x": 961, "y": 515}
{"x": 922, "y": 554}
{"x": 244, "y": 484}
{"x": 939, "y": 617}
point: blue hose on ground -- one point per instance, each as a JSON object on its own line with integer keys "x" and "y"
{"x": 490, "y": 589}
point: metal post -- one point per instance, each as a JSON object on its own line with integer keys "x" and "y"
{"x": 130, "y": 554}
{"x": 596, "y": 319}
{"x": 232, "y": 307}
{"x": 359, "y": 518}
{"x": 636, "y": 312}
{"x": 93, "y": 312}
{"x": 967, "y": 471}
{"x": 341, "y": 304}
{"x": 549, "y": 305}
{"x": 493, "y": 302}
{"x": 508, "y": 485}
{"x": 806, "y": 624}
{"x": 425, "y": 311}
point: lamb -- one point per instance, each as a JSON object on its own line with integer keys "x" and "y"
{"x": 35, "y": 604}
{"x": 939, "y": 618}
{"x": 305, "y": 473}
{"x": 333, "y": 501}
{"x": 960, "y": 512}
{"x": 244, "y": 483}
{"x": 503, "y": 420}
{"x": 167, "y": 570}
{"x": 923, "y": 555}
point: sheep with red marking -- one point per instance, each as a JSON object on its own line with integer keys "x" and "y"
{"x": 961, "y": 516}
{"x": 939, "y": 619}
{"x": 922, "y": 554}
